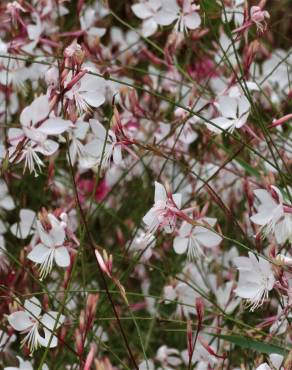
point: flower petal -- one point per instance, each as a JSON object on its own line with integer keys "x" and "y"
{"x": 62, "y": 257}
{"x": 180, "y": 245}
{"x": 39, "y": 253}
{"x": 19, "y": 320}
{"x": 33, "y": 307}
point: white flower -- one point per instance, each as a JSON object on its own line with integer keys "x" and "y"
{"x": 163, "y": 212}
{"x": 104, "y": 146}
{"x": 87, "y": 92}
{"x": 142, "y": 245}
{"x": 235, "y": 11}
{"x": 30, "y": 321}
{"x": 51, "y": 247}
{"x": 76, "y": 134}
{"x": 87, "y": 20}
{"x": 276, "y": 360}
{"x": 26, "y": 225}
{"x": 185, "y": 295}
{"x": 224, "y": 298}
{"x": 36, "y": 128}
{"x": 256, "y": 279}
{"x": 6, "y": 201}
{"x": 192, "y": 239}
{"x": 270, "y": 215}
{"x": 146, "y": 10}
{"x": 186, "y": 18}
{"x": 164, "y": 13}
{"x": 234, "y": 113}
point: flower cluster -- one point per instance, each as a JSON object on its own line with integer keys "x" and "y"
{"x": 145, "y": 185}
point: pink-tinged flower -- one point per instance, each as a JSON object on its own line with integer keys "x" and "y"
{"x": 51, "y": 247}
{"x": 30, "y": 321}
{"x": 234, "y": 113}
{"x": 256, "y": 279}
{"x": 271, "y": 215}
{"x": 258, "y": 17}
{"x": 26, "y": 224}
{"x": 34, "y": 132}
{"x": 193, "y": 239}
{"x": 103, "y": 147}
{"x": 163, "y": 214}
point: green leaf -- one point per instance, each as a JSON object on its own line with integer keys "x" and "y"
{"x": 261, "y": 347}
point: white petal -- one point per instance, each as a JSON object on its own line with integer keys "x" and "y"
{"x": 242, "y": 263}
{"x": 141, "y": 11}
{"x": 180, "y": 245}
{"x": 33, "y": 307}
{"x": 265, "y": 197}
{"x": 243, "y": 106}
{"x": 276, "y": 360}
{"x": 149, "y": 27}
{"x": 58, "y": 235}
{"x": 62, "y": 257}
{"x": 177, "y": 198}
{"x": 93, "y": 98}
{"x": 37, "y": 111}
{"x": 93, "y": 148}
{"x": 149, "y": 217}
{"x": 98, "y": 129}
{"x": 219, "y": 122}
{"x": 49, "y": 320}
{"x": 185, "y": 229}
{"x": 54, "y": 126}
{"x": 117, "y": 154}
{"x": 19, "y": 320}
{"x": 165, "y": 18}
{"x": 45, "y": 237}
{"x": 207, "y": 238}
{"x": 39, "y": 253}
{"x": 160, "y": 192}
{"x": 227, "y": 106}
{"x": 192, "y": 21}
{"x": 261, "y": 218}
{"x": 248, "y": 291}
{"x": 7, "y": 203}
